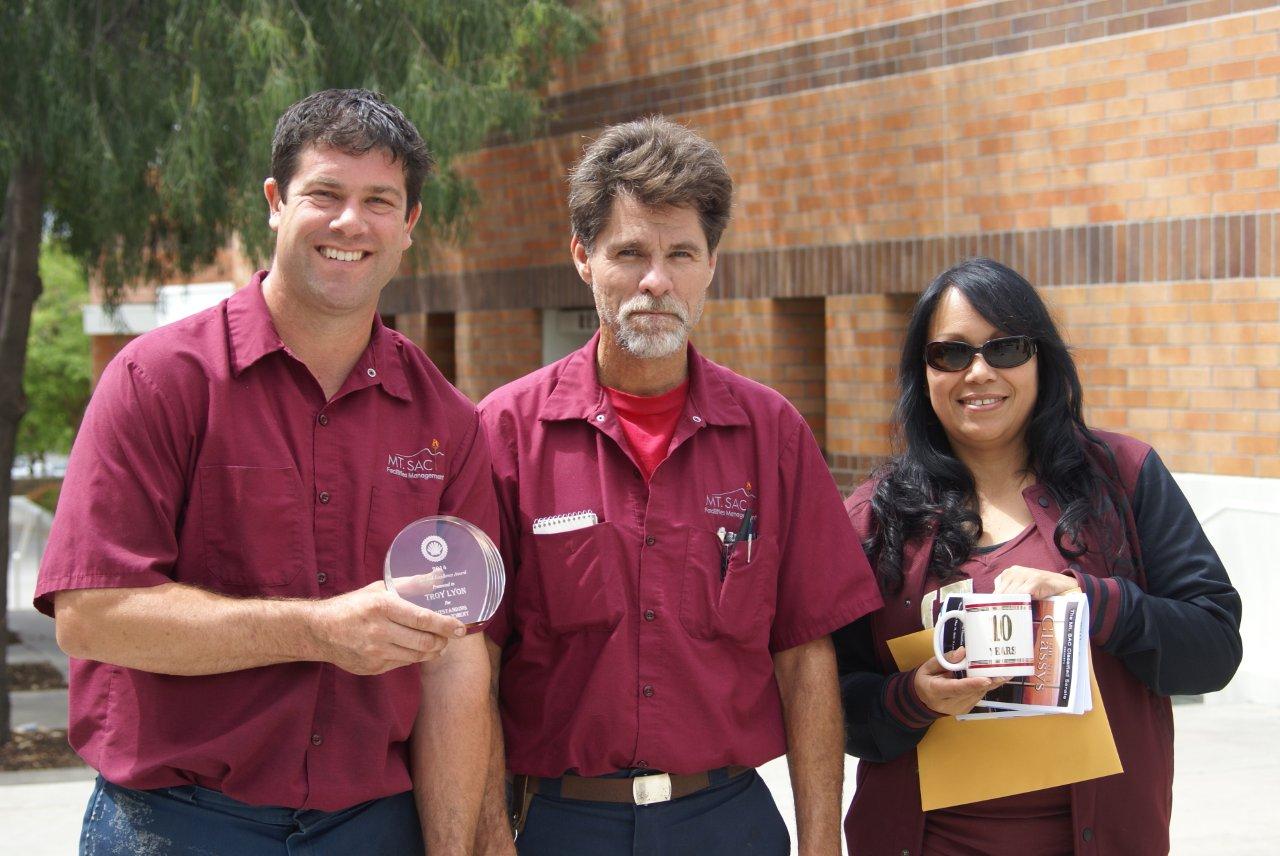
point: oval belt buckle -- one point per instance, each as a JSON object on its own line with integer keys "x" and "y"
{"x": 655, "y": 788}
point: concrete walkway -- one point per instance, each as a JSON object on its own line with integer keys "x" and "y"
{"x": 46, "y": 708}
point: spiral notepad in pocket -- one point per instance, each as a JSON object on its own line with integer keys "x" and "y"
{"x": 564, "y": 522}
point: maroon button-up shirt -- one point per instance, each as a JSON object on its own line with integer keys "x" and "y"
{"x": 623, "y": 647}
{"x": 209, "y": 456}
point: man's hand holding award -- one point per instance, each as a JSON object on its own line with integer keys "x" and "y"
{"x": 446, "y": 565}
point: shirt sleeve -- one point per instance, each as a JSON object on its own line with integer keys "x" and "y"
{"x": 1181, "y": 634}
{"x": 824, "y": 581}
{"x": 499, "y": 627}
{"x": 469, "y": 492}
{"x": 118, "y": 514}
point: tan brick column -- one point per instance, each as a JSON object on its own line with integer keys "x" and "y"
{"x": 778, "y": 342}
{"x": 864, "y": 343}
{"x": 496, "y": 347}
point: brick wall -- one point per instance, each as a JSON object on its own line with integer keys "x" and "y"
{"x": 1191, "y": 367}
{"x": 779, "y": 343}
{"x": 496, "y": 347}
{"x": 1172, "y": 122}
{"x": 1122, "y": 153}
{"x": 864, "y": 340}
{"x": 436, "y": 334}
{"x": 652, "y": 37}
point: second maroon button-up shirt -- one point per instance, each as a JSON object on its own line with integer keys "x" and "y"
{"x": 623, "y": 647}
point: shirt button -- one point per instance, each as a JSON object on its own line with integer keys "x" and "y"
{"x": 599, "y": 417}
{"x": 1087, "y": 835}
{"x": 324, "y": 497}
{"x": 371, "y": 372}
{"x": 697, "y": 419}
{"x": 648, "y": 691}
{"x": 322, "y": 578}
{"x": 316, "y": 740}
{"x": 323, "y": 419}
{"x": 1044, "y": 502}
{"x": 644, "y": 765}
{"x": 650, "y": 615}
{"x": 650, "y": 541}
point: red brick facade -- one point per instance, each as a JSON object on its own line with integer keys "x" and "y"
{"x": 1121, "y": 153}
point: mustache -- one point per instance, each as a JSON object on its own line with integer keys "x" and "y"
{"x": 648, "y": 303}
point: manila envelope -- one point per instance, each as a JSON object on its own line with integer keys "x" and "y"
{"x": 964, "y": 762}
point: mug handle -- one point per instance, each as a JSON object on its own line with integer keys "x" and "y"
{"x": 937, "y": 641}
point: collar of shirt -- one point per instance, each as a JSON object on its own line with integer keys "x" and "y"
{"x": 579, "y": 395}
{"x": 251, "y": 335}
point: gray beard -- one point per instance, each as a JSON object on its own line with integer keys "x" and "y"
{"x": 650, "y": 346}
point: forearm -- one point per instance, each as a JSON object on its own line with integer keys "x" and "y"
{"x": 1174, "y": 647}
{"x": 176, "y": 629}
{"x": 1180, "y": 631}
{"x": 451, "y": 746}
{"x": 883, "y": 714}
{"x": 815, "y": 742}
{"x": 873, "y": 733}
{"x": 493, "y": 834}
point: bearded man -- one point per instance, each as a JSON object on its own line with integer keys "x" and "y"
{"x": 677, "y": 549}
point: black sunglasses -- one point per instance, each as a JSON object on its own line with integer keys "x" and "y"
{"x": 1004, "y": 353}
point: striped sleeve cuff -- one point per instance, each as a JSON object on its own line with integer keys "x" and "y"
{"x": 1106, "y": 599}
{"x": 903, "y": 704}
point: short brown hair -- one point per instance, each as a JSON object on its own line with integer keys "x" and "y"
{"x": 656, "y": 162}
{"x": 354, "y": 121}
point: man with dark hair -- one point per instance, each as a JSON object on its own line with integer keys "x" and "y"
{"x": 241, "y": 678}
{"x": 678, "y": 552}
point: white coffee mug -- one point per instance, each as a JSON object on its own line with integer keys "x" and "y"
{"x": 997, "y": 636}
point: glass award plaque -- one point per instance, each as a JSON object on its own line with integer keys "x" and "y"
{"x": 448, "y": 566}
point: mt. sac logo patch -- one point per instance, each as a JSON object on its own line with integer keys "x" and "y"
{"x": 427, "y": 463}
{"x": 730, "y": 503}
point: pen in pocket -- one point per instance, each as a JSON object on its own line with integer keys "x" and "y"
{"x": 726, "y": 546}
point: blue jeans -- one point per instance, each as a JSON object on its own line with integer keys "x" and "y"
{"x": 194, "y": 821}
{"x": 731, "y": 817}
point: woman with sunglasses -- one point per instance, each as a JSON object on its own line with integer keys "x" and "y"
{"x": 1000, "y": 486}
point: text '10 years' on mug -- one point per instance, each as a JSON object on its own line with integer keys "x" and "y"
{"x": 997, "y": 636}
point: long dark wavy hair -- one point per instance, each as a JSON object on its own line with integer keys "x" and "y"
{"x": 926, "y": 489}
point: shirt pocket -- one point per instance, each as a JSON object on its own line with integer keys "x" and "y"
{"x": 252, "y": 525}
{"x": 737, "y": 607}
{"x": 578, "y": 578}
{"x": 391, "y": 510}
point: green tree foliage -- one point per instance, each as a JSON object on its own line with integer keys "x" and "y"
{"x": 139, "y": 130}
{"x": 58, "y": 359}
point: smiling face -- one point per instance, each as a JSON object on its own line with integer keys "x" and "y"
{"x": 340, "y": 230}
{"x": 981, "y": 409}
{"x": 649, "y": 271}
